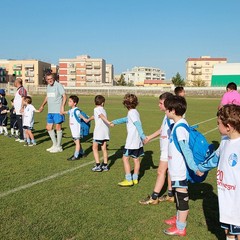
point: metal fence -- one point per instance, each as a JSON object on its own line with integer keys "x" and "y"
{"x": 119, "y": 90}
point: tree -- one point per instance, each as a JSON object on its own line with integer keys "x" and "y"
{"x": 178, "y": 80}
{"x": 199, "y": 83}
{"x": 121, "y": 81}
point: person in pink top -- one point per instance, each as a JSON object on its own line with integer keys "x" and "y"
{"x": 231, "y": 96}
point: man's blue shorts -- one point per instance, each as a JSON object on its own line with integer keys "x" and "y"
{"x": 55, "y": 118}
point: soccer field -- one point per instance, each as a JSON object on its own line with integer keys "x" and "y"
{"x": 44, "y": 196}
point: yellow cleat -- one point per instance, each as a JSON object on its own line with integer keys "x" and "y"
{"x": 135, "y": 182}
{"x": 149, "y": 201}
{"x": 126, "y": 183}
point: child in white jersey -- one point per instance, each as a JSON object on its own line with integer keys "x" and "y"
{"x": 28, "y": 120}
{"x": 134, "y": 142}
{"x": 226, "y": 158}
{"x": 177, "y": 165}
{"x": 164, "y": 133}
{"x": 100, "y": 134}
{"x": 75, "y": 127}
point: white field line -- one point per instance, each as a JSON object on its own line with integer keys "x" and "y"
{"x": 4, "y": 194}
{"x": 210, "y": 119}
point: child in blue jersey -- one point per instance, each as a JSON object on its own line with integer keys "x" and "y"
{"x": 177, "y": 165}
{"x": 75, "y": 127}
{"x": 226, "y": 159}
{"x": 134, "y": 142}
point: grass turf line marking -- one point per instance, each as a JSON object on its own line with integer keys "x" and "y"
{"x": 210, "y": 119}
{"x": 4, "y": 194}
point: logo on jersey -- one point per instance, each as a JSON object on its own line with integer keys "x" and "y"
{"x": 233, "y": 160}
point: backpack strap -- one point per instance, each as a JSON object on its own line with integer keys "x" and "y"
{"x": 175, "y": 140}
{"x": 75, "y": 115}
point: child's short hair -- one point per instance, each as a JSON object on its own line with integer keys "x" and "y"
{"x": 74, "y": 98}
{"x": 28, "y": 99}
{"x": 130, "y": 101}
{"x": 178, "y": 90}
{"x": 99, "y": 100}
{"x": 165, "y": 95}
{"x": 230, "y": 114}
{"x": 177, "y": 103}
{"x": 232, "y": 86}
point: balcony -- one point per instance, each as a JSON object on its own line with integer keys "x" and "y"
{"x": 196, "y": 73}
{"x": 29, "y": 66}
{"x": 17, "y": 67}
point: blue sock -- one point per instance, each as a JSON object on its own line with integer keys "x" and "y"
{"x": 181, "y": 225}
{"x": 135, "y": 176}
{"x": 76, "y": 153}
{"x": 28, "y": 140}
{"x": 128, "y": 177}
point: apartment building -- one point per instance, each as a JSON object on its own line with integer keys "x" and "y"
{"x": 85, "y": 71}
{"x": 4, "y": 66}
{"x": 31, "y": 71}
{"x": 200, "y": 69}
{"x": 138, "y": 75}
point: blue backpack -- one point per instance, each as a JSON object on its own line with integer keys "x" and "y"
{"x": 85, "y": 127}
{"x": 201, "y": 149}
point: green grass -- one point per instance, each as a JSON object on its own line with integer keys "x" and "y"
{"x": 81, "y": 204}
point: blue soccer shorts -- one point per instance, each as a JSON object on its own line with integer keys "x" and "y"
{"x": 55, "y": 118}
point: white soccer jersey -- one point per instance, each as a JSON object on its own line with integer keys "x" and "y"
{"x": 21, "y": 92}
{"x": 176, "y": 163}
{"x": 101, "y": 129}
{"x": 164, "y": 137}
{"x": 74, "y": 125}
{"x": 228, "y": 181}
{"x": 28, "y": 115}
{"x": 133, "y": 140}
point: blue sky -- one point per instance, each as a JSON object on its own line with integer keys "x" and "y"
{"x": 126, "y": 33}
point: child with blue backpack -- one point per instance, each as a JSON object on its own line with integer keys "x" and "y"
{"x": 75, "y": 126}
{"x": 178, "y": 162}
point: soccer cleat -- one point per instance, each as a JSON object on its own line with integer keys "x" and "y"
{"x": 32, "y": 144}
{"x": 97, "y": 168}
{"x": 17, "y": 140}
{"x": 5, "y": 134}
{"x": 56, "y": 150}
{"x": 166, "y": 198}
{"x": 135, "y": 182}
{"x": 126, "y": 183}
{"x": 171, "y": 221}
{"x": 50, "y": 149}
{"x": 149, "y": 201}
{"x": 105, "y": 168}
{"x": 26, "y": 144}
{"x": 21, "y": 141}
{"x": 174, "y": 231}
{"x": 73, "y": 158}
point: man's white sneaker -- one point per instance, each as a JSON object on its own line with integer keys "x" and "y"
{"x": 50, "y": 149}
{"x": 56, "y": 150}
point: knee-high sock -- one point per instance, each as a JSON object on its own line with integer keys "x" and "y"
{"x": 59, "y": 138}
{"x": 53, "y": 137}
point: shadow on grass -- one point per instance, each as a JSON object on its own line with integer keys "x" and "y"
{"x": 146, "y": 163}
{"x": 117, "y": 155}
{"x": 205, "y": 192}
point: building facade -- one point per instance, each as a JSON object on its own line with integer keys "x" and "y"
{"x": 137, "y": 75}
{"x": 225, "y": 73}
{"x": 85, "y": 71}
{"x": 200, "y": 69}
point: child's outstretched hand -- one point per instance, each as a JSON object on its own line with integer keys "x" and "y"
{"x": 146, "y": 140}
{"x": 111, "y": 124}
{"x": 199, "y": 173}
